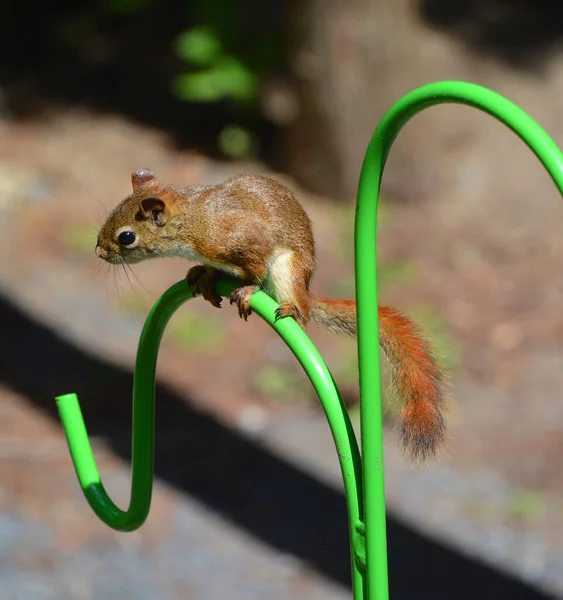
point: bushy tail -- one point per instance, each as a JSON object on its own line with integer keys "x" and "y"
{"x": 417, "y": 380}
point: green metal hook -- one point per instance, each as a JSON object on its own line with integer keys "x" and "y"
{"x": 363, "y": 479}
{"x": 143, "y": 414}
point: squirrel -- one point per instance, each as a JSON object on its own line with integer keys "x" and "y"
{"x": 254, "y": 228}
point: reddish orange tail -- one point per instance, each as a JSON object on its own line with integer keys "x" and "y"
{"x": 418, "y": 382}
{"x": 417, "y": 379}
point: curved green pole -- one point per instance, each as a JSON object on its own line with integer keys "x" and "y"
{"x": 366, "y": 281}
{"x": 143, "y": 420}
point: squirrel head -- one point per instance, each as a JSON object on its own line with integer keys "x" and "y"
{"x": 137, "y": 228}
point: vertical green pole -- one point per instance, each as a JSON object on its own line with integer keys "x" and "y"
{"x": 366, "y": 282}
{"x": 370, "y": 395}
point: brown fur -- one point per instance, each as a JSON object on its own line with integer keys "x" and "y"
{"x": 254, "y": 228}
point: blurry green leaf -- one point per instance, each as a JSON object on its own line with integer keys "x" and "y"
{"x": 228, "y": 77}
{"x": 198, "y": 87}
{"x": 199, "y": 46}
{"x": 236, "y": 78}
{"x": 236, "y": 142}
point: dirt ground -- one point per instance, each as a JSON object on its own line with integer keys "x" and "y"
{"x": 487, "y": 280}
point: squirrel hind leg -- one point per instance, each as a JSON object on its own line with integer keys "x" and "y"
{"x": 288, "y": 309}
{"x": 290, "y": 277}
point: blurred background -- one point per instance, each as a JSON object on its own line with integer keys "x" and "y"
{"x": 248, "y": 500}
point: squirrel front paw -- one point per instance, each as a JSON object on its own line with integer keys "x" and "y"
{"x": 202, "y": 279}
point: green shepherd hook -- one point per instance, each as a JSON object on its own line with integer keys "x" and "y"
{"x": 363, "y": 476}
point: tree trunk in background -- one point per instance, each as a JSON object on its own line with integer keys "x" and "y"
{"x": 352, "y": 59}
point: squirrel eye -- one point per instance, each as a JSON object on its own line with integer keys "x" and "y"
{"x": 126, "y": 238}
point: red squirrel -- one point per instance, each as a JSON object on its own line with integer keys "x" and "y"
{"x": 254, "y": 228}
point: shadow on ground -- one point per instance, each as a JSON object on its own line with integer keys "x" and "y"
{"x": 276, "y": 502}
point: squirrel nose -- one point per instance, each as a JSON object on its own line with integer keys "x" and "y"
{"x": 99, "y": 252}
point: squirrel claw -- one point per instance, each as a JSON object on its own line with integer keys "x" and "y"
{"x": 241, "y": 297}
{"x": 241, "y": 313}
{"x": 287, "y": 309}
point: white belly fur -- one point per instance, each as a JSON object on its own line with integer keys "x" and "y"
{"x": 279, "y": 283}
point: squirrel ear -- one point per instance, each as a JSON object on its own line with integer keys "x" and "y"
{"x": 142, "y": 177}
{"x": 153, "y": 208}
